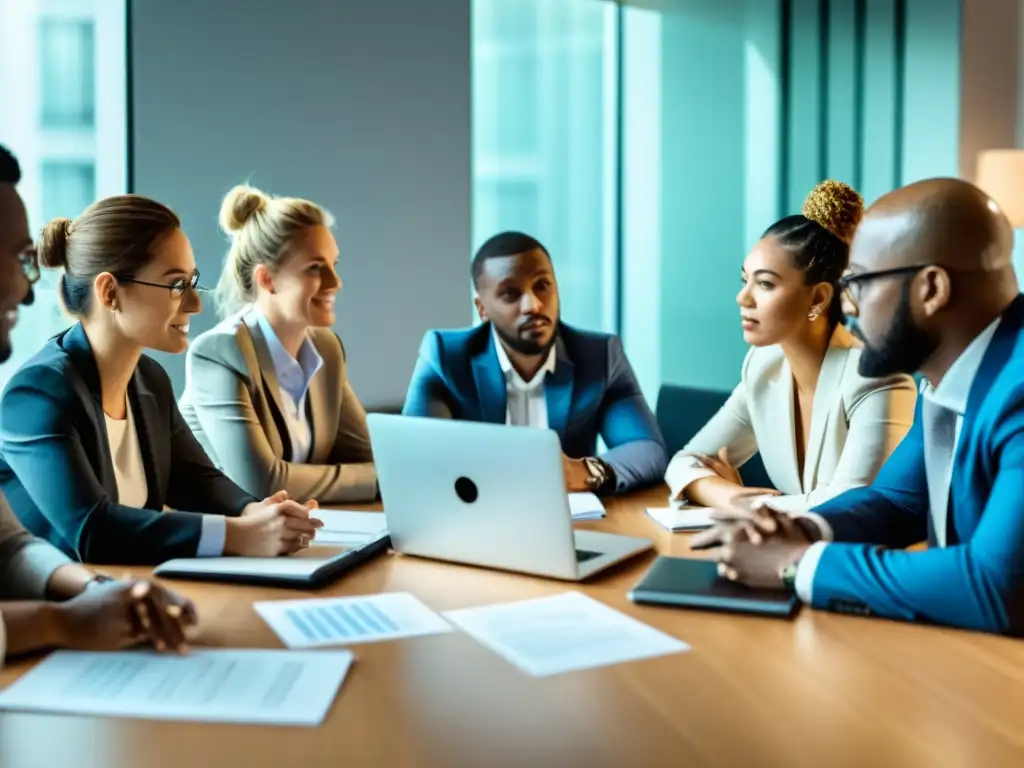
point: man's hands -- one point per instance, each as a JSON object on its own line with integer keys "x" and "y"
{"x": 275, "y": 526}
{"x": 755, "y": 545}
{"x": 577, "y": 478}
{"x": 117, "y": 614}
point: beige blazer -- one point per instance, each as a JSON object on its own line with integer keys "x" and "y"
{"x": 26, "y": 564}
{"x": 855, "y": 424}
{"x": 232, "y": 402}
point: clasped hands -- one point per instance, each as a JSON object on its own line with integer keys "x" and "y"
{"x": 754, "y": 541}
{"x": 755, "y": 544}
{"x": 275, "y": 526}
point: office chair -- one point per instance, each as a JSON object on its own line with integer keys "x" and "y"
{"x": 682, "y": 411}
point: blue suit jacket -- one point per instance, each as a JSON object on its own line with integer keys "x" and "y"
{"x": 592, "y": 391}
{"x": 977, "y": 580}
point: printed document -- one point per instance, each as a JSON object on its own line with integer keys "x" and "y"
{"x": 585, "y": 506}
{"x": 562, "y": 633}
{"x": 207, "y": 685}
{"x": 347, "y": 528}
{"x": 682, "y": 518}
{"x": 318, "y": 622}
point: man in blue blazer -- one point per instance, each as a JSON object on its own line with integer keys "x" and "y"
{"x": 933, "y": 287}
{"x": 524, "y": 367}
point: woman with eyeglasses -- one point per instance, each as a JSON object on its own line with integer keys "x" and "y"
{"x": 267, "y": 390}
{"x": 819, "y": 426}
{"x": 94, "y": 448}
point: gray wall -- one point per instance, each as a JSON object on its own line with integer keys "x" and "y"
{"x": 363, "y": 107}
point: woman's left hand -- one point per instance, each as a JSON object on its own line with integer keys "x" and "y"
{"x": 720, "y": 466}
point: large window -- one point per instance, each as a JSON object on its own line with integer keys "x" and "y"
{"x": 62, "y": 86}
{"x": 545, "y": 159}
{"x": 67, "y": 72}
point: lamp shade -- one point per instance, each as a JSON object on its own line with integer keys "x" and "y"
{"x": 1001, "y": 175}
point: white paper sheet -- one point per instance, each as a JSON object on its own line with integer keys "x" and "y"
{"x": 585, "y": 506}
{"x": 321, "y": 622}
{"x": 562, "y": 633}
{"x": 682, "y": 518}
{"x": 348, "y": 528}
{"x": 207, "y": 685}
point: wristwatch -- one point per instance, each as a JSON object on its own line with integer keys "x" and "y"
{"x": 599, "y": 474}
{"x": 788, "y": 574}
{"x": 97, "y": 579}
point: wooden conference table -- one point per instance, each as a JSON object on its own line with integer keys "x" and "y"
{"x": 822, "y": 690}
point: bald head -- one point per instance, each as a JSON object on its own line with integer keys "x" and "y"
{"x": 946, "y": 222}
{"x": 932, "y": 267}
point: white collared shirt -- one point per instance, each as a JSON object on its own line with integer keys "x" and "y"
{"x": 951, "y": 395}
{"x": 526, "y": 405}
{"x": 293, "y": 377}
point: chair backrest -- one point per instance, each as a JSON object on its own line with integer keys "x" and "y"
{"x": 682, "y": 411}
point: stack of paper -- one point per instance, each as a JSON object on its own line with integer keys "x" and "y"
{"x": 349, "y": 529}
{"x": 562, "y": 633}
{"x": 318, "y": 622}
{"x": 585, "y": 506}
{"x": 682, "y": 518}
{"x": 207, "y": 685}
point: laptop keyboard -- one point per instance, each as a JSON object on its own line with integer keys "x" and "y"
{"x": 582, "y": 555}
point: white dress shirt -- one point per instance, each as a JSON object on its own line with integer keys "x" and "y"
{"x": 526, "y": 405}
{"x": 132, "y": 489}
{"x": 293, "y": 377}
{"x": 943, "y": 406}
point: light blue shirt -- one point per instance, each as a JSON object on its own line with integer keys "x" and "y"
{"x": 293, "y": 378}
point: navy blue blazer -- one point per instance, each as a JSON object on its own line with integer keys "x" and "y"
{"x": 57, "y": 474}
{"x": 977, "y": 580}
{"x": 592, "y": 391}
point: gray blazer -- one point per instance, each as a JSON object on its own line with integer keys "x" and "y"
{"x": 232, "y": 402}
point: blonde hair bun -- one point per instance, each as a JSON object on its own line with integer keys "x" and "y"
{"x": 53, "y": 244}
{"x": 240, "y": 205}
{"x": 836, "y": 206}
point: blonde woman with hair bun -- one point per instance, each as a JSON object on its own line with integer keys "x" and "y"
{"x": 266, "y": 390}
{"x": 819, "y": 426}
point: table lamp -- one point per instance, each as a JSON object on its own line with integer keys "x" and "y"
{"x": 1000, "y": 173}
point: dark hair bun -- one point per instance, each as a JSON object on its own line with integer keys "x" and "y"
{"x": 53, "y": 245}
{"x": 835, "y": 206}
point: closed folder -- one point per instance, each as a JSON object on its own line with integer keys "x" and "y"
{"x": 690, "y": 583}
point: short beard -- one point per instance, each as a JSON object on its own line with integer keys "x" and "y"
{"x": 524, "y": 347}
{"x": 904, "y": 347}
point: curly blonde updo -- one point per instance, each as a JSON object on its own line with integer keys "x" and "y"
{"x": 819, "y": 238}
{"x": 836, "y": 206}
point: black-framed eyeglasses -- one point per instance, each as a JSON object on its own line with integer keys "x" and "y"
{"x": 176, "y": 287}
{"x": 29, "y": 260}
{"x": 850, "y": 283}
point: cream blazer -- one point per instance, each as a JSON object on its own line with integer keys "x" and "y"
{"x": 232, "y": 402}
{"x": 855, "y": 424}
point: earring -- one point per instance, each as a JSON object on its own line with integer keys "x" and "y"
{"x": 813, "y": 315}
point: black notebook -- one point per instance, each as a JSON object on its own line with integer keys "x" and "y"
{"x": 696, "y": 584}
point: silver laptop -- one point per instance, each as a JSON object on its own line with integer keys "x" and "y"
{"x": 485, "y": 494}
